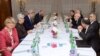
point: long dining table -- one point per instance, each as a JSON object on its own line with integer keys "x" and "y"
{"x": 45, "y": 46}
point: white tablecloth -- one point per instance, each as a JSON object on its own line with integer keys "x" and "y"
{"x": 24, "y": 48}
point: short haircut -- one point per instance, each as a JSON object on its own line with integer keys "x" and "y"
{"x": 94, "y": 14}
{"x": 85, "y": 21}
{"x": 30, "y": 11}
{"x": 20, "y": 16}
{"x": 9, "y": 19}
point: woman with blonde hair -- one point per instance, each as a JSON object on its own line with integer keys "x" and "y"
{"x": 9, "y": 37}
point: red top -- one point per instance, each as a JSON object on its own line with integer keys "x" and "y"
{"x": 6, "y": 41}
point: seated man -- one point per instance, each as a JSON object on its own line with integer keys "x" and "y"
{"x": 28, "y": 24}
{"x": 94, "y": 23}
{"x": 89, "y": 35}
{"x": 38, "y": 17}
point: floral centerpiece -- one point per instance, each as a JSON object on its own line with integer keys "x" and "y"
{"x": 54, "y": 32}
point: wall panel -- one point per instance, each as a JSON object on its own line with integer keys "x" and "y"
{"x": 54, "y": 5}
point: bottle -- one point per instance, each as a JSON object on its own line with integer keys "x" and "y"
{"x": 66, "y": 26}
{"x": 35, "y": 45}
{"x": 73, "y": 45}
{"x": 37, "y": 39}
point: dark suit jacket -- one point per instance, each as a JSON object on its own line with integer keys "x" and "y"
{"x": 75, "y": 24}
{"x": 27, "y": 23}
{"x": 38, "y": 18}
{"x": 5, "y": 41}
{"x": 92, "y": 36}
{"x": 21, "y": 31}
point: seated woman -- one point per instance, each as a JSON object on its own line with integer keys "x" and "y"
{"x": 77, "y": 21}
{"x": 20, "y": 27}
{"x": 72, "y": 13}
{"x": 78, "y": 16}
{"x": 70, "y": 18}
{"x": 80, "y": 12}
{"x": 8, "y": 37}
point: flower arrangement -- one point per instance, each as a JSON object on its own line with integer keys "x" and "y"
{"x": 54, "y": 32}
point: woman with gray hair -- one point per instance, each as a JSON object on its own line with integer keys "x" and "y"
{"x": 20, "y": 27}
